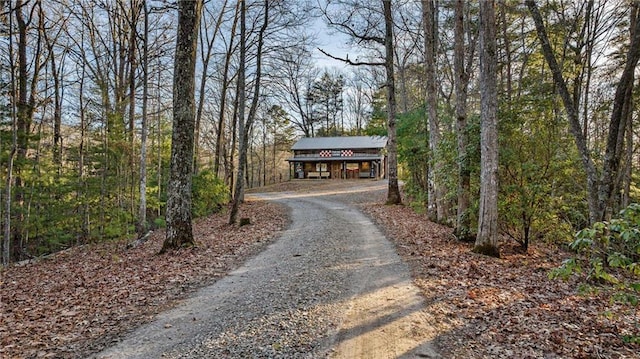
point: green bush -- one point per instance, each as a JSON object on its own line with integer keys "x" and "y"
{"x": 609, "y": 254}
{"x": 160, "y": 222}
{"x": 210, "y": 194}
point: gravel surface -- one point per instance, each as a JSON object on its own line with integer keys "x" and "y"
{"x": 330, "y": 286}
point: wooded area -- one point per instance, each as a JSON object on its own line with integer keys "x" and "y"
{"x": 504, "y": 120}
{"x": 510, "y": 122}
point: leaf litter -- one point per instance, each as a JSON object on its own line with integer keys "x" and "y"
{"x": 81, "y": 300}
{"x": 507, "y": 307}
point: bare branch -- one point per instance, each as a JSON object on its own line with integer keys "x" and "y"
{"x": 350, "y": 62}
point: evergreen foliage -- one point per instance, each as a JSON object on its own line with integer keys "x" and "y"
{"x": 412, "y": 150}
{"x": 210, "y": 194}
{"x": 537, "y": 169}
{"x": 608, "y": 253}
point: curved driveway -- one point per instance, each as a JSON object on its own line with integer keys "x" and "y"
{"x": 331, "y": 286}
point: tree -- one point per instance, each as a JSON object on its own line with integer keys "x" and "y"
{"x": 461, "y": 83}
{"x": 179, "y": 227}
{"x": 206, "y": 48}
{"x": 282, "y": 132}
{"x": 245, "y": 126}
{"x": 487, "y": 237}
{"x": 436, "y": 207}
{"x": 600, "y": 189}
{"x": 57, "y": 65}
{"x": 293, "y": 81}
{"x": 358, "y": 21}
{"x": 220, "y": 138}
{"x": 6, "y": 242}
{"x": 325, "y": 99}
{"x": 107, "y": 52}
{"x": 142, "y": 209}
{"x": 358, "y": 100}
{"x": 393, "y": 194}
{"x": 27, "y": 94}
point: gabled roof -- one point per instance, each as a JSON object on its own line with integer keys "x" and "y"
{"x": 339, "y": 143}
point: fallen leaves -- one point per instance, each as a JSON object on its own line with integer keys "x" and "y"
{"x": 82, "y": 299}
{"x": 504, "y": 308}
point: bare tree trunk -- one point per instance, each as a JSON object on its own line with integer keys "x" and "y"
{"x": 617, "y": 198}
{"x": 463, "y": 218}
{"x": 264, "y": 151}
{"x": 591, "y": 35}
{"x": 142, "y": 209}
{"x": 6, "y": 243}
{"x": 104, "y": 170}
{"x": 238, "y": 195}
{"x": 622, "y": 104}
{"x": 240, "y": 103}
{"x": 205, "y": 58}
{"x": 84, "y": 226}
{"x": 487, "y": 238}
{"x": 223, "y": 98}
{"x": 507, "y": 50}
{"x": 273, "y": 158}
{"x": 628, "y": 162}
{"x": 25, "y": 107}
{"x": 133, "y": 40}
{"x": 435, "y": 190}
{"x": 229, "y": 154}
{"x": 179, "y": 216}
{"x": 57, "y": 105}
{"x": 393, "y": 193}
{"x": 159, "y": 141}
{"x": 23, "y": 124}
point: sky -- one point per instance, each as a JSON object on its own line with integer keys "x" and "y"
{"x": 333, "y": 43}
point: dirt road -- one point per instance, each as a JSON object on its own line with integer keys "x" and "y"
{"x": 331, "y": 286}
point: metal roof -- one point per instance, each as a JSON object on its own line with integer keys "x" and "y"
{"x": 334, "y": 159}
{"x": 339, "y": 143}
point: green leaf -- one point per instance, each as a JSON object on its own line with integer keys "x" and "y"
{"x": 569, "y": 267}
{"x": 634, "y": 286}
{"x": 599, "y": 273}
{"x": 581, "y": 243}
{"x": 618, "y": 260}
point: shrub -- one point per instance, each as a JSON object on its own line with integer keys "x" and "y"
{"x": 609, "y": 254}
{"x": 210, "y": 194}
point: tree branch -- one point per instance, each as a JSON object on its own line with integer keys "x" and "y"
{"x": 350, "y": 62}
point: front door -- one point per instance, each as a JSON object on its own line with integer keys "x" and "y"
{"x": 336, "y": 170}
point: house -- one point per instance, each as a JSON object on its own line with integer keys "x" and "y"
{"x": 339, "y": 157}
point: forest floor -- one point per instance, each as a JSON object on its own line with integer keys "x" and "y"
{"x": 81, "y": 300}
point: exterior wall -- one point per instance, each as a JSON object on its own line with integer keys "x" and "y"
{"x": 338, "y": 163}
{"x": 338, "y": 169}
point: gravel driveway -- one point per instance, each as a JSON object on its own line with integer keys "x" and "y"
{"x": 330, "y": 286}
